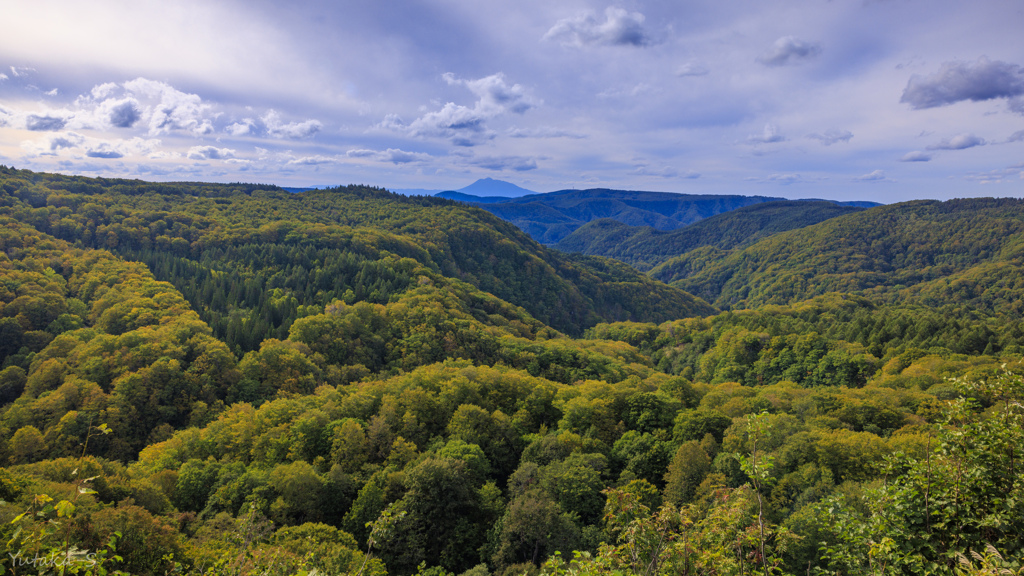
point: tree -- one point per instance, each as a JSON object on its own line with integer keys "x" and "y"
{"x": 690, "y": 465}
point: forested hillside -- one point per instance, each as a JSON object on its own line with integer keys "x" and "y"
{"x": 232, "y": 379}
{"x": 646, "y": 247}
{"x": 227, "y": 248}
{"x": 901, "y": 252}
{"x": 550, "y": 217}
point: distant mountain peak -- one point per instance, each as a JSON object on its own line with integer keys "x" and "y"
{"x": 490, "y": 187}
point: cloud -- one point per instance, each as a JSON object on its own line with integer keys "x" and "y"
{"x": 242, "y": 128}
{"x": 463, "y": 125}
{"x": 620, "y": 28}
{"x": 542, "y": 132}
{"x": 789, "y": 50}
{"x": 1013, "y": 173}
{"x": 19, "y": 71}
{"x": 102, "y": 91}
{"x": 45, "y": 123}
{"x": 122, "y": 113}
{"x": 66, "y": 140}
{"x": 53, "y": 92}
{"x": 3, "y": 76}
{"x": 293, "y": 130}
{"x": 313, "y": 160}
{"x": 75, "y": 145}
{"x": 916, "y": 156}
{"x": 494, "y": 94}
{"x": 501, "y": 163}
{"x": 104, "y": 151}
{"x": 960, "y": 142}
{"x": 692, "y": 69}
{"x": 1017, "y": 136}
{"x": 393, "y": 155}
{"x": 832, "y": 136}
{"x": 174, "y": 110}
{"x": 876, "y": 176}
{"x": 665, "y": 172}
{"x": 785, "y": 178}
{"x": 958, "y": 81}
{"x": 770, "y": 135}
{"x": 209, "y": 153}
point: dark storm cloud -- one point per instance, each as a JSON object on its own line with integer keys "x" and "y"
{"x": 789, "y": 50}
{"x": 44, "y": 123}
{"x": 620, "y": 28}
{"x": 958, "y": 81}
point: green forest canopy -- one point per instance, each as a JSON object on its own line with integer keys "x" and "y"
{"x": 235, "y": 380}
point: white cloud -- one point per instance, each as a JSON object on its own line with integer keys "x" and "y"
{"x": 1013, "y": 174}
{"x": 102, "y": 91}
{"x": 209, "y": 153}
{"x": 494, "y": 95}
{"x": 620, "y": 28}
{"x": 789, "y": 50}
{"x": 463, "y": 125}
{"x": 832, "y": 136}
{"x": 916, "y": 156}
{"x": 770, "y": 135}
{"x": 246, "y": 126}
{"x": 958, "y": 81}
{"x": 77, "y": 145}
{"x": 173, "y": 110}
{"x": 293, "y": 130}
{"x": 875, "y": 176}
{"x": 959, "y": 142}
{"x": 315, "y": 160}
{"x": 3, "y": 76}
{"x": 392, "y": 155}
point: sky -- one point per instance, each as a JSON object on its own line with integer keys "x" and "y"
{"x": 881, "y": 100}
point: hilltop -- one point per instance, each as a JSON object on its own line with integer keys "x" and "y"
{"x": 550, "y": 217}
{"x": 645, "y": 247}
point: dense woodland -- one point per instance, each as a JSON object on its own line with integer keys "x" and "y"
{"x": 233, "y": 379}
{"x": 549, "y": 218}
{"x": 645, "y": 247}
